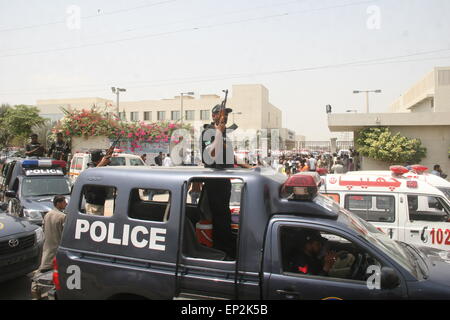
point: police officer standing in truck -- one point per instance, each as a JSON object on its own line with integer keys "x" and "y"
{"x": 217, "y": 153}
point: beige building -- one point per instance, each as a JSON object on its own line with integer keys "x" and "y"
{"x": 252, "y": 110}
{"x": 422, "y": 112}
{"x": 52, "y": 109}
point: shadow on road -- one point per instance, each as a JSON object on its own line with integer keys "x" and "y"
{"x": 16, "y": 289}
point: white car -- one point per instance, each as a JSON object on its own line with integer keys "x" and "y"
{"x": 80, "y": 162}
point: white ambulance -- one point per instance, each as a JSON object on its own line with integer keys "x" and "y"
{"x": 80, "y": 162}
{"x": 406, "y": 208}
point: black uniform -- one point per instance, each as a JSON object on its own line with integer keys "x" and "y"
{"x": 305, "y": 264}
{"x": 31, "y": 146}
{"x": 219, "y": 194}
{"x": 59, "y": 150}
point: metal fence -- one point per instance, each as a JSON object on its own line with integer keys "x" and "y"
{"x": 325, "y": 146}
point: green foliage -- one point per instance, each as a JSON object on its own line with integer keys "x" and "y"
{"x": 5, "y": 135}
{"x": 19, "y": 121}
{"x": 380, "y": 144}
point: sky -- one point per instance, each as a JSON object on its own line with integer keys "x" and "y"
{"x": 307, "y": 53}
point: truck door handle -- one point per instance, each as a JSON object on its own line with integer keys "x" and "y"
{"x": 288, "y": 294}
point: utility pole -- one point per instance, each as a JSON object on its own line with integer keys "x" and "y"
{"x": 367, "y": 96}
{"x": 117, "y": 92}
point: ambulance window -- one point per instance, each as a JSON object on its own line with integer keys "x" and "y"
{"x": 427, "y": 208}
{"x": 79, "y": 163}
{"x": 98, "y": 200}
{"x": 149, "y": 204}
{"x": 373, "y": 208}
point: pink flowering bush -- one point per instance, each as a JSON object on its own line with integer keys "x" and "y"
{"x": 78, "y": 123}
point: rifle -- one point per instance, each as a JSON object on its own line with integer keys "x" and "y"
{"x": 110, "y": 151}
{"x": 222, "y": 112}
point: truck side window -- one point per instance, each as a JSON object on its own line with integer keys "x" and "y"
{"x": 305, "y": 251}
{"x": 98, "y": 200}
{"x": 427, "y": 208}
{"x": 149, "y": 204}
{"x": 211, "y": 224}
{"x": 373, "y": 208}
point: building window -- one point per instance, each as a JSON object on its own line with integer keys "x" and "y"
{"x": 190, "y": 115}
{"x": 134, "y": 116}
{"x": 204, "y": 114}
{"x": 161, "y": 115}
{"x": 175, "y": 115}
{"x": 147, "y": 115}
{"x": 122, "y": 116}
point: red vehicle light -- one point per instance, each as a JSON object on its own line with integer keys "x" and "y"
{"x": 412, "y": 184}
{"x": 59, "y": 163}
{"x": 419, "y": 169}
{"x": 398, "y": 170}
{"x": 301, "y": 186}
{"x": 56, "y": 275}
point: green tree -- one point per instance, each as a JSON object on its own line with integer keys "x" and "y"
{"x": 5, "y": 135}
{"x": 19, "y": 120}
{"x": 380, "y": 144}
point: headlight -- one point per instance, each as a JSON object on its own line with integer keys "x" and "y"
{"x": 32, "y": 214}
{"x": 39, "y": 235}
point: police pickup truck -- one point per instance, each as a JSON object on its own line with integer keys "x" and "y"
{"x": 29, "y": 185}
{"x": 141, "y": 242}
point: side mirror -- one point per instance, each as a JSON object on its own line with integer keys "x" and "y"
{"x": 3, "y": 206}
{"x": 10, "y": 194}
{"x": 389, "y": 278}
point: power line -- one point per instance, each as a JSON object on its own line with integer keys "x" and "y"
{"x": 177, "y": 22}
{"x": 186, "y": 29}
{"x": 87, "y": 17}
{"x": 200, "y": 79}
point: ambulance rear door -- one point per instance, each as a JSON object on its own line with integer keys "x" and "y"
{"x": 427, "y": 221}
{"x": 380, "y": 209}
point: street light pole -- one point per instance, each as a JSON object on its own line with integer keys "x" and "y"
{"x": 367, "y": 96}
{"x": 181, "y": 98}
{"x": 117, "y": 92}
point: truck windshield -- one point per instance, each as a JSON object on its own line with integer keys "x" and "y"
{"x": 45, "y": 186}
{"x": 381, "y": 240}
{"x": 367, "y": 231}
{"x": 445, "y": 191}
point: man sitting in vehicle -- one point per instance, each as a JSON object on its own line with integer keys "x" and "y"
{"x": 307, "y": 261}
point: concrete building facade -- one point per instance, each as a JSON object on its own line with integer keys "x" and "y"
{"x": 422, "y": 112}
{"x": 252, "y": 110}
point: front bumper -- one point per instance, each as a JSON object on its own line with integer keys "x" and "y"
{"x": 20, "y": 263}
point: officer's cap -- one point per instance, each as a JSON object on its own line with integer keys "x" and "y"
{"x": 314, "y": 236}
{"x": 217, "y": 108}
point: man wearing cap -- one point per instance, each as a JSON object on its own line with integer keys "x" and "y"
{"x": 96, "y": 196}
{"x": 59, "y": 149}
{"x": 217, "y": 153}
{"x": 307, "y": 261}
{"x": 34, "y": 148}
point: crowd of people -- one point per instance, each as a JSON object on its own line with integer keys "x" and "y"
{"x": 323, "y": 162}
